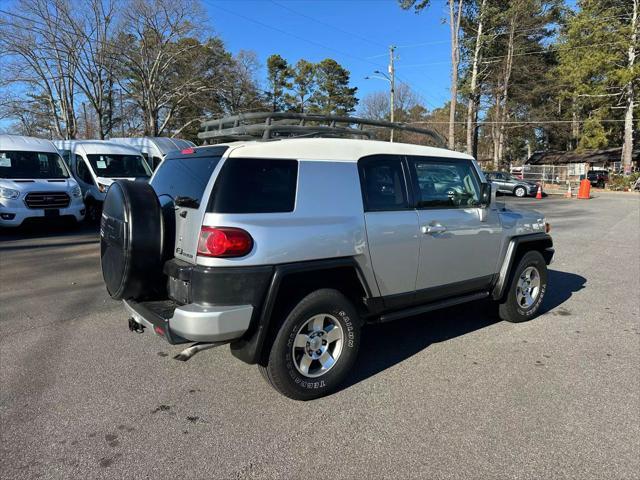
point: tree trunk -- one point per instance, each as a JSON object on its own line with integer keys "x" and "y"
{"x": 627, "y": 148}
{"x": 454, "y": 27}
{"x": 503, "y": 112}
{"x": 472, "y": 107}
{"x": 495, "y": 131}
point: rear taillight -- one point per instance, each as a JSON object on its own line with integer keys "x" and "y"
{"x": 187, "y": 151}
{"x": 224, "y": 242}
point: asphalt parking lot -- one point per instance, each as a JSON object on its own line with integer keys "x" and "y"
{"x": 451, "y": 394}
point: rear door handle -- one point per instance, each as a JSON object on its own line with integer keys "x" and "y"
{"x": 431, "y": 229}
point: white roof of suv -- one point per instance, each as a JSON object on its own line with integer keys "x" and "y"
{"x": 334, "y": 149}
{"x": 26, "y": 144}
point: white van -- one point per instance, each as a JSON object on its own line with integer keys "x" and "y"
{"x": 97, "y": 163}
{"x": 154, "y": 149}
{"x": 35, "y": 182}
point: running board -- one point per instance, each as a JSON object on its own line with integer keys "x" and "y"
{"x": 189, "y": 352}
{"x": 410, "y": 312}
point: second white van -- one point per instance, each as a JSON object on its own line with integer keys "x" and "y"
{"x": 97, "y": 163}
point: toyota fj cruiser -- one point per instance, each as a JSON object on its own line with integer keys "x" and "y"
{"x": 286, "y": 248}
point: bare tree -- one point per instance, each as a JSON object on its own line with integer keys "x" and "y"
{"x": 154, "y": 43}
{"x": 93, "y": 23}
{"x": 474, "y": 98}
{"x": 501, "y": 96}
{"x": 455, "y": 18}
{"x": 627, "y": 148}
{"x": 40, "y": 53}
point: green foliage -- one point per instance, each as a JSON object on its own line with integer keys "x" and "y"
{"x": 308, "y": 87}
{"x": 333, "y": 96}
{"x": 594, "y": 135}
{"x": 303, "y": 85}
{"x": 592, "y": 54}
{"x": 622, "y": 182}
{"x": 278, "y": 74}
{"x": 417, "y": 5}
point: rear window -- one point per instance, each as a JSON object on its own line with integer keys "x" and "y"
{"x": 255, "y": 185}
{"x": 30, "y": 165}
{"x": 185, "y": 176}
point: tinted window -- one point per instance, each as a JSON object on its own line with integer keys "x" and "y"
{"x": 443, "y": 183}
{"x": 254, "y": 185}
{"x": 28, "y": 165}
{"x": 119, "y": 166}
{"x": 383, "y": 183}
{"x": 83, "y": 171}
{"x": 185, "y": 176}
{"x": 66, "y": 156}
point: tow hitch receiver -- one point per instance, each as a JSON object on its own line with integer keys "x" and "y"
{"x": 189, "y": 352}
{"x": 135, "y": 326}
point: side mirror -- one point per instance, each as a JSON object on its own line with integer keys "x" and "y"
{"x": 486, "y": 194}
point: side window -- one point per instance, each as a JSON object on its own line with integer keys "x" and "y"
{"x": 83, "y": 171}
{"x": 498, "y": 176}
{"x": 383, "y": 183}
{"x": 66, "y": 156}
{"x": 445, "y": 183}
{"x": 255, "y": 185}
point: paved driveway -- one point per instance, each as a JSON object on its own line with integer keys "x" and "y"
{"x": 452, "y": 394}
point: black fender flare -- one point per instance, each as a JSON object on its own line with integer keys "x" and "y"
{"x": 249, "y": 349}
{"x": 544, "y": 244}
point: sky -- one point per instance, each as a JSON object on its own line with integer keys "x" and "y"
{"x": 356, "y": 33}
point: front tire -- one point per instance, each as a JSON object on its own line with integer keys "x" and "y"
{"x": 526, "y": 289}
{"x": 315, "y": 347}
{"x": 520, "y": 192}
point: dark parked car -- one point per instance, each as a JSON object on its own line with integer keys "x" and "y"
{"x": 507, "y": 183}
{"x": 598, "y": 178}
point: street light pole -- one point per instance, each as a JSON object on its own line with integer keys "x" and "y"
{"x": 392, "y": 82}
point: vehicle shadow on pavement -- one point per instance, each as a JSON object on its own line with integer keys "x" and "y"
{"x": 49, "y": 229}
{"x": 385, "y": 345}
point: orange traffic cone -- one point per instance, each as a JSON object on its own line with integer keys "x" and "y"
{"x": 568, "y": 194}
{"x": 539, "y": 193}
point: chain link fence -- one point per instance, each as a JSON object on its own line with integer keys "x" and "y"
{"x": 560, "y": 175}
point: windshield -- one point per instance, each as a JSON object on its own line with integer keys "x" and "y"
{"x": 119, "y": 166}
{"x": 31, "y": 165}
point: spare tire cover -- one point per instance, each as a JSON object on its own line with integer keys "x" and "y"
{"x": 131, "y": 240}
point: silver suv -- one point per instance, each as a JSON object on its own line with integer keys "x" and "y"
{"x": 285, "y": 249}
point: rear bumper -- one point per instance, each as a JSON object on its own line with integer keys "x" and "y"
{"x": 191, "y": 322}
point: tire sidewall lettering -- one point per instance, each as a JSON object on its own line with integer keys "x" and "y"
{"x": 309, "y": 383}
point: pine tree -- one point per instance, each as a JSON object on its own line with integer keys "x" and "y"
{"x": 333, "y": 95}
{"x": 279, "y": 77}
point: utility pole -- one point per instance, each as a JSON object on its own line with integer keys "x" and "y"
{"x": 392, "y": 81}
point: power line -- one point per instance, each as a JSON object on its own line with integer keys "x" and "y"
{"x": 320, "y": 22}
{"x": 293, "y": 35}
{"x": 521, "y": 54}
{"x": 522, "y": 122}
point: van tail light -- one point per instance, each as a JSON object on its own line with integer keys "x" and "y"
{"x": 224, "y": 242}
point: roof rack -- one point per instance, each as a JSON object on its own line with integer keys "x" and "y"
{"x": 274, "y": 125}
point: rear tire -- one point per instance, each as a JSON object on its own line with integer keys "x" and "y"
{"x": 315, "y": 347}
{"x": 527, "y": 287}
